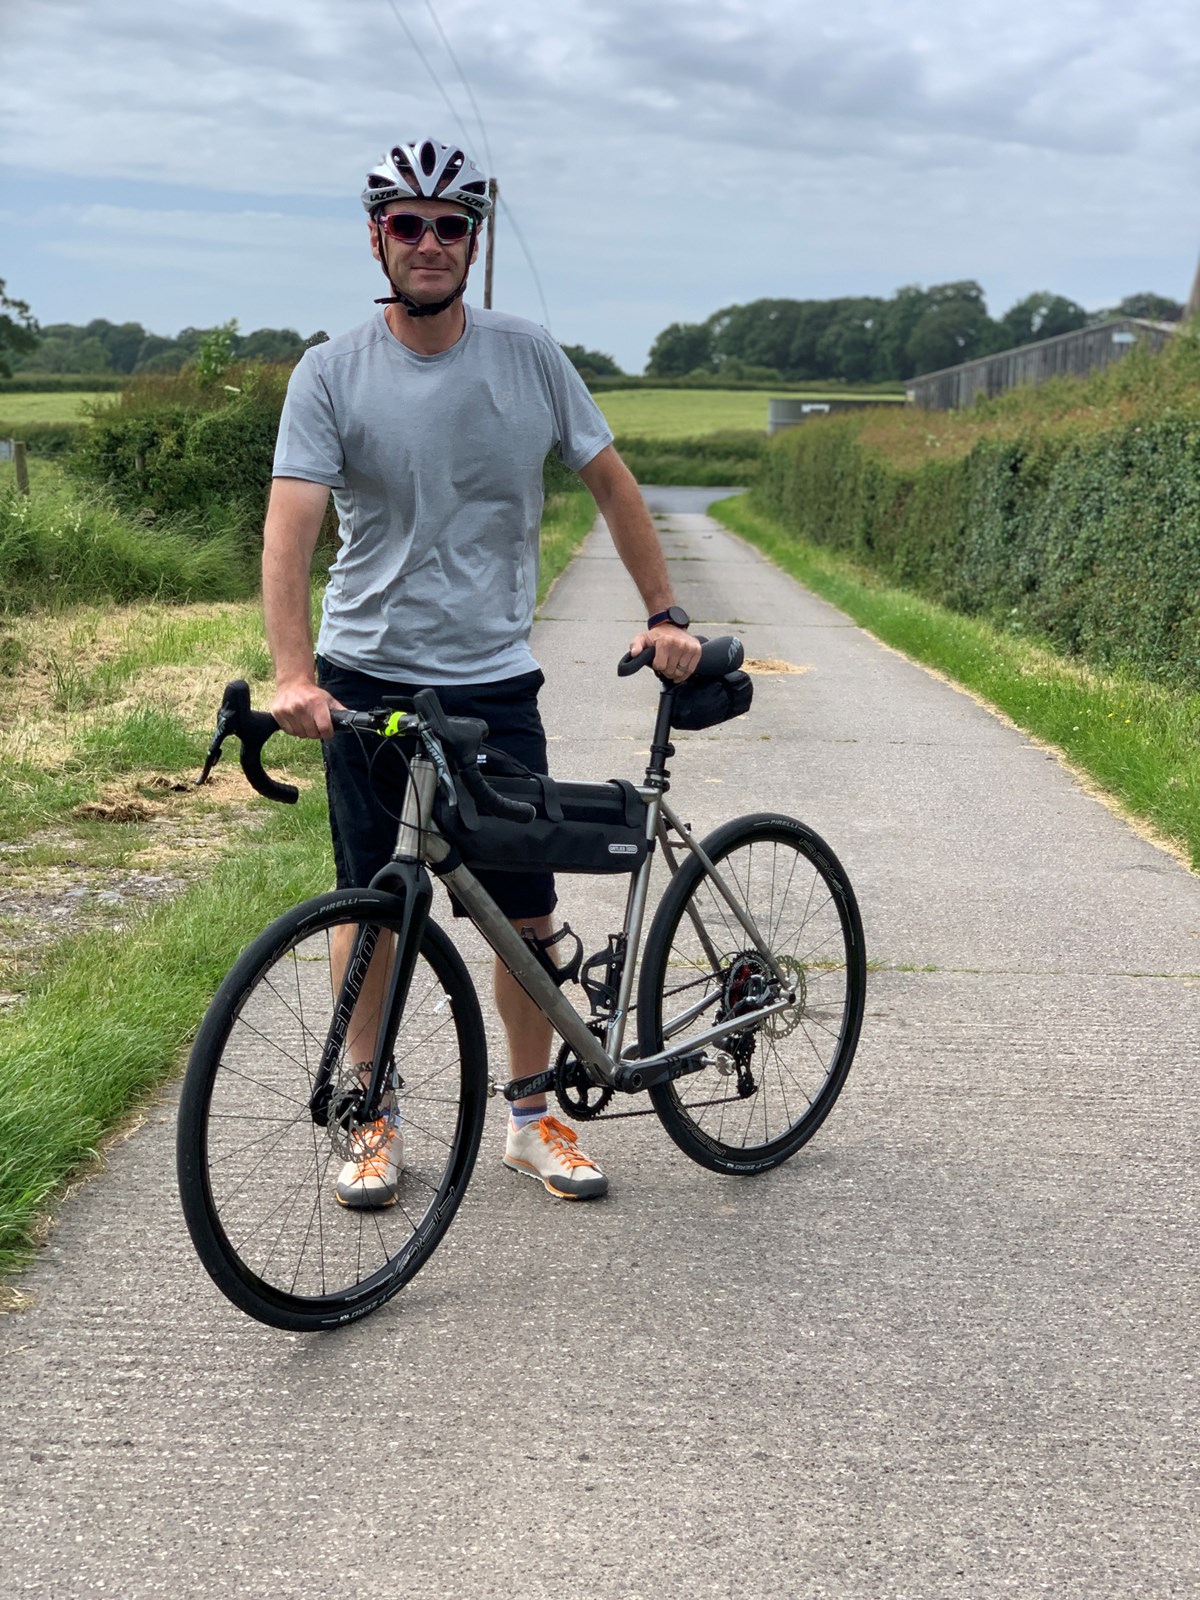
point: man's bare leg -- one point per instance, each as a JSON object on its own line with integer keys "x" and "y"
{"x": 529, "y": 1032}
{"x": 368, "y": 1010}
{"x": 544, "y": 1149}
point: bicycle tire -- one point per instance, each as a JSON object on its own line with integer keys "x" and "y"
{"x": 697, "y": 954}
{"x": 257, "y": 1171}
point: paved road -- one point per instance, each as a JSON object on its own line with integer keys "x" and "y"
{"x": 949, "y": 1351}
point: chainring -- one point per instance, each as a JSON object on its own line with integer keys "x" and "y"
{"x": 575, "y": 1092}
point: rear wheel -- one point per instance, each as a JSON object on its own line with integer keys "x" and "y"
{"x": 782, "y": 1073}
{"x": 264, "y": 1134}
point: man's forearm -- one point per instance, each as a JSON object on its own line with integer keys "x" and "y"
{"x": 287, "y": 615}
{"x": 633, "y": 533}
{"x": 290, "y": 536}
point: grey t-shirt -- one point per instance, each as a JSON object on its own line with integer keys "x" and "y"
{"x": 435, "y": 463}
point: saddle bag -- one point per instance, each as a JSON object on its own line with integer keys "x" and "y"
{"x": 579, "y": 827}
{"x": 704, "y": 705}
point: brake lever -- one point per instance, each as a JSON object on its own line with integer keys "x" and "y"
{"x": 433, "y": 749}
{"x": 228, "y": 717}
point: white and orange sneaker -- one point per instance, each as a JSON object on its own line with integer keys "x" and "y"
{"x": 549, "y": 1151}
{"x": 369, "y": 1180}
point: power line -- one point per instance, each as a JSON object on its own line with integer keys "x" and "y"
{"x": 508, "y": 212}
{"x": 474, "y": 103}
{"x": 412, "y": 39}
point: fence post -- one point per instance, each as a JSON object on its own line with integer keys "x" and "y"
{"x": 22, "y": 466}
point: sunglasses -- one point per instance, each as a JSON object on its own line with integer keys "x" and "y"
{"x": 408, "y": 228}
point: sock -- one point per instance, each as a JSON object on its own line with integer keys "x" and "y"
{"x": 522, "y": 1116}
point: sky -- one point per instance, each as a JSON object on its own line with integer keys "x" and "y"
{"x": 182, "y": 162}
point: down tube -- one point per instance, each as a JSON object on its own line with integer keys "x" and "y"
{"x": 541, "y": 989}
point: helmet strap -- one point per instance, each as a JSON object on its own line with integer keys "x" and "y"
{"x": 413, "y": 307}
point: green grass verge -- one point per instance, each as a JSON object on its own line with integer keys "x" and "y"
{"x": 567, "y": 521}
{"x": 1137, "y": 740}
{"x": 62, "y": 546}
{"x": 114, "y": 1018}
{"x": 111, "y": 1018}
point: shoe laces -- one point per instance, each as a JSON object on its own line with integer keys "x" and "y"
{"x": 372, "y": 1144}
{"x": 563, "y": 1141}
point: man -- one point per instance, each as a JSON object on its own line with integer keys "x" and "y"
{"x": 431, "y": 424}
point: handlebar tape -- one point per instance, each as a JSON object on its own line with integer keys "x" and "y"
{"x": 253, "y": 729}
{"x": 717, "y": 657}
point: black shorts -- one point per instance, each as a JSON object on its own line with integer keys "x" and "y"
{"x": 363, "y": 817}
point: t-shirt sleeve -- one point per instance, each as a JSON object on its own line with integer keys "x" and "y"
{"x": 579, "y": 421}
{"x": 309, "y": 444}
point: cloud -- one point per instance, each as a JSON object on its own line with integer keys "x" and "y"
{"x": 721, "y": 152}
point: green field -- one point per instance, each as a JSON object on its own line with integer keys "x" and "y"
{"x": 66, "y": 407}
{"x": 691, "y": 413}
{"x": 631, "y": 413}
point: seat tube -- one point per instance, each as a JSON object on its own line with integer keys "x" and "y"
{"x": 635, "y": 911}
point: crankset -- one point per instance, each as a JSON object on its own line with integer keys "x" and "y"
{"x": 574, "y": 1090}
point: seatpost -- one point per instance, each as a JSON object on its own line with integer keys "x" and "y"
{"x": 661, "y": 748}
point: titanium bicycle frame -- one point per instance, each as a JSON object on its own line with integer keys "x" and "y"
{"x": 419, "y": 842}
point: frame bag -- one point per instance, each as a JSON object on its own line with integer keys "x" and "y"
{"x": 579, "y": 827}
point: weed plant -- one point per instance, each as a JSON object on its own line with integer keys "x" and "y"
{"x": 59, "y": 547}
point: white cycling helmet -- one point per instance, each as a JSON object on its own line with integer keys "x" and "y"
{"x": 427, "y": 170}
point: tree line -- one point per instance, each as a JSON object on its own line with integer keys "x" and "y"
{"x": 865, "y": 339}
{"x": 854, "y": 339}
{"x": 128, "y": 348}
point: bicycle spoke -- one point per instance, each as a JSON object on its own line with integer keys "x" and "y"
{"x": 787, "y": 1065}
{"x": 275, "y": 1156}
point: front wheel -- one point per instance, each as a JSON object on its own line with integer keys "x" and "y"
{"x": 780, "y": 1075}
{"x": 267, "y": 1120}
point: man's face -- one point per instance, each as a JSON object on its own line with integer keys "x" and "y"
{"x": 429, "y": 270}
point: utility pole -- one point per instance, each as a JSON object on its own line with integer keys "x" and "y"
{"x": 489, "y": 248}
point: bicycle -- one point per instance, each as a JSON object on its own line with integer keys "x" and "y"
{"x": 749, "y": 1002}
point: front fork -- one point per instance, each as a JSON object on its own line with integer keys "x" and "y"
{"x": 409, "y": 882}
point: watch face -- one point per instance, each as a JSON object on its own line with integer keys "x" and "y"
{"x": 678, "y": 616}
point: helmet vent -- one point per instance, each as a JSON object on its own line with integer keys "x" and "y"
{"x": 428, "y": 158}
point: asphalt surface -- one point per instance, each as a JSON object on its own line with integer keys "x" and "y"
{"x": 947, "y": 1351}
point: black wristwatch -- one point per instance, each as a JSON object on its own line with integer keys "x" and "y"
{"x": 674, "y": 614}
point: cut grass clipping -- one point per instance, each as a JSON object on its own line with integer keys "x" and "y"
{"x": 1138, "y": 741}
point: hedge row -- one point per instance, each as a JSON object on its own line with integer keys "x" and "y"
{"x": 730, "y": 459}
{"x": 44, "y": 438}
{"x": 830, "y": 386}
{"x": 1081, "y": 530}
{"x": 173, "y": 446}
{"x": 58, "y": 382}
